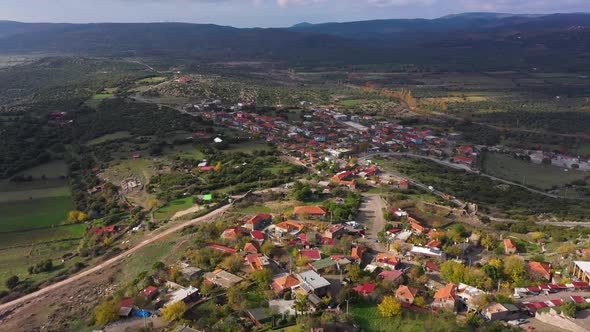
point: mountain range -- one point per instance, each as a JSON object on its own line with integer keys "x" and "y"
{"x": 521, "y": 36}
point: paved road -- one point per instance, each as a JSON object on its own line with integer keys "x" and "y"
{"x": 468, "y": 169}
{"x": 111, "y": 261}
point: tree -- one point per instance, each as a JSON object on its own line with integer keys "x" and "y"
{"x": 452, "y": 271}
{"x": 262, "y": 278}
{"x": 515, "y": 268}
{"x": 232, "y": 263}
{"x": 566, "y": 249}
{"x": 76, "y": 216}
{"x": 158, "y": 266}
{"x": 569, "y": 309}
{"x": 12, "y": 282}
{"x": 420, "y": 302}
{"x": 355, "y": 273}
{"x": 538, "y": 236}
{"x": 105, "y": 312}
{"x": 390, "y": 307}
{"x": 174, "y": 311}
{"x": 267, "y": 247}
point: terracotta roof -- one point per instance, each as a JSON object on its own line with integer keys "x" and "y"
{"x": 222, "y": 248}
{"x": 285, "y": 282}
{"x": 434, "y": 244}
{"x": 543, "y": 269}
{"x": 407, "y": 292}
{"x": 257, "y": 235}
{"x": 434, "y": 233}
{"x": 358, "y": 251}
{"x": 509, "y": 244}
{"x": 289, "y": 224}
{"x": 387, "y": 259}
{"x": 311, "y": 210}
{"x": 258, "y": 218}
{"x": 149, "y": 291}
{"x": 251, "y": 246}
{"x": 449, "y": 292}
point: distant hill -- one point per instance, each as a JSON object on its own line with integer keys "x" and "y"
{"x": 485, "y": 40}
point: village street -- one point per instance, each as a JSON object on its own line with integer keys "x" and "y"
{"x": 371, "y": 216}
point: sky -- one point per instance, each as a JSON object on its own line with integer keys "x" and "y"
{"x": 265, "y": 13}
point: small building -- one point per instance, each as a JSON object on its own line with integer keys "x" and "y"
{"x": 387, "y": 261}
{"x": 539, "y": 270}
{"x": 358, "y": 252}
{"x": 258, "y": 222}
{"x": 284, "y": 282}
{"x": 222, "y": 278}
{"x": 150, "y": 292}
{"x": 509, "y": 247}
{"x": 313, "y": 212}
{"x": 189, "y": 272}
{"x": 311, "y": 282}
{"x": 289, "y": 226}
{"x": 311, "y": 254}
{"x": 445, "y": 297}
{"x": 259, "y": 316}
{"x": 182, "y": 294}
{"x": 468, "y": 296}
{"x": 501, "y": 311}
{"x": 365, "y": 289}
{"x": 391, "y": 275}
{"x": 428, "y": 252}
{"x": 335, "y": 231}
{"x": 406, "y": 294}
{"x": 257, "y": 261}
{"x": 252, "y": 247}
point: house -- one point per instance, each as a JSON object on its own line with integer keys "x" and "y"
{"x": 290, "y": 226}
{"x": 416, "y": 227}
{"x": 464, "y": 150}
{"x": 259, "y": 316}
{"x": 434, "y": 244}
{"x": 581, "y": 270}
{"x": 434, "y": 234}
{"x": 509, "y": 247}
{"x": 252, "y": 247}
{"x": 366, "y": 289}
{"x": 222, "y": 278}
{"x": 358, "y": 252}
{"x": 403, "y": 185}
{"x": 428, "y": 252}
{"x": 327, "y": 263}
{"x": 189, "y": 272}
{"x": 182, "y": 294}
{"x": 257, "y": 236}
{"x": 311, "y": 282}
{"x": 335, "y": 231}
{"x": 257, "y": 261}
{"x": 387, "y": 260}
{"x": 283, "y": 307}
{"x": 150, "y": 292}
{"x": 391, "y": 275}
{"x": 468, "y": 295}
{"x": 284, "y": 282}
{"x": 311, "y": 254}
{"x": 223, "y": 248}
{"x": 313, "y": 212}
{"x": 258, "y": 222}
{"x": 406, "y": 294}
{"x": 501, "y": 311}
{"x": 431, "y": 267}
{"x": 462, "y": 160}
{"x": 445, "y": 297}
{"x": 539, "y": 270}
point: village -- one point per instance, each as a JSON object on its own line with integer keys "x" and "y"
{"x": 322, "y": 260}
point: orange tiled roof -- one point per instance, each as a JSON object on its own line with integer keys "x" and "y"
{"x": 509, "y": 244}
{"x": 449, "y": 292}
{"x": 407, "y": 292}
{"x": 313, "y": 210}
{"x": 541, "y": 268}
{"x": 291, "y": 224}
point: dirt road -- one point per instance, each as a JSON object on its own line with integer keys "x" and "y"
{"x": 371, "y": 216}
{"x": 105, "y": 264}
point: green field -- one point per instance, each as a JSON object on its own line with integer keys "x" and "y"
{"x": 34, "y": 213}
{"x": 168, "y": 210}
{"x": 102, "y": 96}
{"x": 583, "y": 149}
{"x": 52, "y": 170}
{"x": 41, "y": 235}
{"x": 26, "y": 191}
{"x": 110, "y": 137}
{"x": 352, "y": 102}
{"x": 249, "y": 147}
{"x": 152, "y": 80}
{"x": 539, "y": 176}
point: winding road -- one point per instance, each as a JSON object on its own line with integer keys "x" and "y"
{"x": 111, "y": 261}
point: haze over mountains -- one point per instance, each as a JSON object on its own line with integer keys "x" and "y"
{"x": 521, "y": 35}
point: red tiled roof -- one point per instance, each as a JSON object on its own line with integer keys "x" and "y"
{"x": 365, "y": 289}
{"x": 432, "y": 266}
{"x": 127, "y": 302}
{"x": 312, "y": 254}
{"x": 285, "y": 282}
{"x": 407, "y": 292}
{"x": 257, "y": 235}
{"x": 449, "y": 292}
{"x": 461, "y": 158}
{"x": 391, "y": 275}
{"x": 578, "y": 299}
{"x": 509, "y": 244}
{"x": 541, "y": 268}
{"x": 434, "y": 244}
{"x": 149, "y": 291}
{"x": 251, "y": 246}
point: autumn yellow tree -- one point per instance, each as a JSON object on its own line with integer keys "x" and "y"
{"x": 105, "y": 312}
{"x": 173, "y": 311}
{"x": 76, "y": 216}
{"x": 390, "y": 307}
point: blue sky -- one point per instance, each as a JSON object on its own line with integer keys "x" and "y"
{"x": 264, "y": 13}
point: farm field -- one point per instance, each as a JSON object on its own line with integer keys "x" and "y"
{"x": 540, "y": 176}
{"x": 167, "y": 211}
{"x": 41, "y": 235}
{"x": 52, "y": 170}
{"x": 42, "y": 212}
{"x": 110, "y": 137}
{"x": 14, "y": 192}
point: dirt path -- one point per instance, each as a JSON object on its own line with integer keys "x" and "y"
{"x": 98, "y": 268}
{"x": 371, "y": 216}
{"x": 190, "y": 210}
